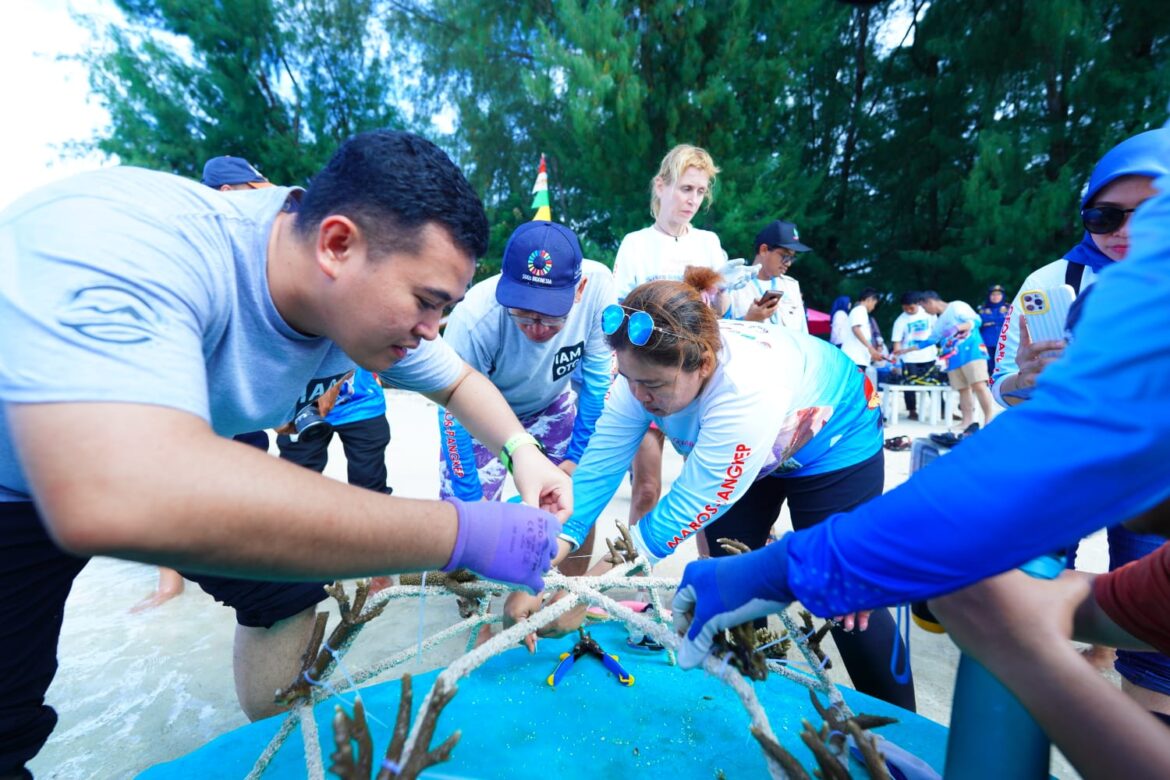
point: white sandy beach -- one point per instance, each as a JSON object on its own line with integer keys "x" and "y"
{"x": 137, "y": 689}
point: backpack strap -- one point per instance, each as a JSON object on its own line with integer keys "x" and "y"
{"x": 1073, "y": 274}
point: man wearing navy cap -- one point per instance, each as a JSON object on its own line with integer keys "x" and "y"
{"x": 233, "y": 173}
{"x": 224, "y": 174}
{"x": 993, "y": 311}
{"x": 773, "y": 296}
{"x": 528, "y": 329}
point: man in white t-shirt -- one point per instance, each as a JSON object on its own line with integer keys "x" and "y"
{"x": 858, "y": 344}
{"x": 773, "y": 296}
{"x": 913, "y": 325}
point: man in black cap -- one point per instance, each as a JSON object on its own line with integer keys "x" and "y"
{"x": 233, "y": 173}
{"x": 773, "y": 296}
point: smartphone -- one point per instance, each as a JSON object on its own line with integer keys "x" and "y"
{"x": 771, "y": 295}
{"x": 1046, "y": 311}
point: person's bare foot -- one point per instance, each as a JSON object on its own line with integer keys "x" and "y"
{"x": 170, "y": 584}
{"x": 1100, "y": 657}
{"x": 150, "y": 602}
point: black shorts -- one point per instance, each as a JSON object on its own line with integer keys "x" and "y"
{"x": 35, "y": 579}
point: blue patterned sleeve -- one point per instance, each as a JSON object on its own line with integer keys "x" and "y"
{"x": 455, "y": 444}
{"x": 595, "y": 371}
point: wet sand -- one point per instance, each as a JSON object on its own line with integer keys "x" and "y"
{"x": 137, "y": 689}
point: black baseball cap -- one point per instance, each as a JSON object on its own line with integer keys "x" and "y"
{"x": 781, "y": 234}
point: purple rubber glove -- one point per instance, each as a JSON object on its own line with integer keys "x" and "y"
{"x": 719, "y": 593}
{"x": 510, "y": 543}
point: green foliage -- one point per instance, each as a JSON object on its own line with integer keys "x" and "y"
{"x": 280, "y": 82}
{"x": 917, "y": 144}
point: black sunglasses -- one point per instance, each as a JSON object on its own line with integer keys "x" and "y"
{"x": 1104, "y": 219}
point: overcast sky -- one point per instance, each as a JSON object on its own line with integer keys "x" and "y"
{"x": 44, "y": 102}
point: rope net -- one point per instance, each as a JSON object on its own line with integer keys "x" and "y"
{"x": 320, "y": 677}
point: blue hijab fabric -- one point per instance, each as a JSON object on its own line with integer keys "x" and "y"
{"x": 1145, "y": 154}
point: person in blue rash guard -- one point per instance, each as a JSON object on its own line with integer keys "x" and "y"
{"x": 1089, "y": 450}
{"x": 993, "y": 311}
{"x": 1120, "y": 182}
{"x": 359, "y": 420}
{"x": 528, "y": 329}
{"x": 763, "y": 415}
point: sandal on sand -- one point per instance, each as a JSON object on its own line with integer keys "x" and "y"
{"x": 898, "y": 443}
{"x": 947, "y": 439}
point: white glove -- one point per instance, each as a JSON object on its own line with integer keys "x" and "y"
{"x": 736, "y": 274}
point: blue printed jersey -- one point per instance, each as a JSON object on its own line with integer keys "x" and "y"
{"x": 1090, "y": 449}
{"x": 360, "y": 398}
{"x": 778, "y": 404}
{"x": 956, "y": 348}
{"x": 991, "y": 324}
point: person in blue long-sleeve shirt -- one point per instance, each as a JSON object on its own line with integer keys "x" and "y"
{"x": 1091, "y": 449}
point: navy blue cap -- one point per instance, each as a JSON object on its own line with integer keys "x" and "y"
{"x": 219, "y": 171}
{"x": 781, "y": 234}
{"x": 541, "y": 268}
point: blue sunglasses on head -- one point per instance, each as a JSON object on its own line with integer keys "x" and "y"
{"x": 640, "y": 327}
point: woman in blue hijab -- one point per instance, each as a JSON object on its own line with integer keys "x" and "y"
{"x": 1121, "y": 182}
{"x": 839, "y": 320}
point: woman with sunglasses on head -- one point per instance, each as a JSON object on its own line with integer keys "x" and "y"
{"x": 664, "y": 250}
{"x": 763, "y": 415}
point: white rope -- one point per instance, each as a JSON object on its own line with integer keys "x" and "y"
{"x": 823, "y": 683}
{"x": 578, "y": 590}
{"x": 314, "y": 763}
{"x": 274, "y": 745}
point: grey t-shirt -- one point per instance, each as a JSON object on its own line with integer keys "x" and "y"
{"x": 530, "y": 375}
{"x": 142, "y": 287}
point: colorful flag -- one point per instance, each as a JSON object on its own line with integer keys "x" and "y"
{"x": 540, "y": 194}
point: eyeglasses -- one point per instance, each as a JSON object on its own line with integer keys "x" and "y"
{"x": 1100, "y": 220}
{"x": 537, "y": 319}
{"x": 640, "y": 327}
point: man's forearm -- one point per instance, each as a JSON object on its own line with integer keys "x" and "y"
{"x": 154, "y": 484}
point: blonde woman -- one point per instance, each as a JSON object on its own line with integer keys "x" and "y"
{"x": 663, "y": 251}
